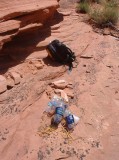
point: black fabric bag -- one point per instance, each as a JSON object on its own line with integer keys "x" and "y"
{"x": 61, "y": 53}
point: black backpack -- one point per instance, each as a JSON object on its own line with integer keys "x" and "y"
{"x": 61, "y": 53}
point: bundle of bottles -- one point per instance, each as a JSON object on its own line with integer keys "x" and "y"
{"x": 60, "y": 110}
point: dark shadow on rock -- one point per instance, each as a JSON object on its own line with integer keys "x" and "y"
{"x": 22, "y": 45}
{"x": 50, "y": 62}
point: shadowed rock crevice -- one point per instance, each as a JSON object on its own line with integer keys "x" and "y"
{"x": 31, "y": 41}
{"x": 17, "y": 17}
{"x": 22, "y": 27}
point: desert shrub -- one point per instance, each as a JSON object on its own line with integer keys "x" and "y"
{"x": 108, "y": 13}
{"x": 83, "y": 7}
{"x": 96, "y": 16}
{"x": 111, "y": 13}
{"x": 111, "y": 3}
{"x": 90, "y": 1}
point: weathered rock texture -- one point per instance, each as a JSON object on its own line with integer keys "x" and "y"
{"x": 92, "y": 89}
{"x": 20, "y": 16}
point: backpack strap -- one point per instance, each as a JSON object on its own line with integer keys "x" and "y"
{"x": 71, "y": 58}
{"x": 70, "y": 54}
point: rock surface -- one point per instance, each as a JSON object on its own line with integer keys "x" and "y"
{"x": 10, "y": 82}
{"x": 16, "y": 77}
{"x": 94, "y": 84}
{"x": 3, "y": 84}
{"x": 61, "y": 84}
{"x": 21, "y": 16}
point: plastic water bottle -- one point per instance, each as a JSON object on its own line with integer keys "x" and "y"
{"x": 71, "y": 119}
{"x": 53, "y": 104}
{"x": 59, "y": 112}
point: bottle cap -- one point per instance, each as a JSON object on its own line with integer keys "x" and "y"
{"x": 50, "y": 104}
{"x": 76, "y": 119}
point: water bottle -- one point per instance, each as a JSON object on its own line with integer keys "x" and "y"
{"x": 55, "y": 101}
{"x": 59, "y": 112}
{"x": 71, "y": 119}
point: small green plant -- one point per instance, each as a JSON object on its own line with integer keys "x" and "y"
{"x": 108, "y": 13}
{"x": 111, "y": 14}
{"x": 96, "y": 16}
{"x": 111, "y": 3}
{"x": 83, "y": 7}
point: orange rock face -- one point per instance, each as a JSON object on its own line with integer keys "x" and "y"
{"x": 18, "y": 16}
{"x": 26, "y": 85}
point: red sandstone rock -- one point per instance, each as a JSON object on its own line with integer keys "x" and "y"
{"x": 13, "y": 8}
{"x": 69, "y": 92}
{"x": 9, "y": 25}
{"x": 3, "y": 84}
{"x": 21, "y": 16}
{"x": 38, "y": 65}
{"x": 61, "y": 84}
{"x": 10, "y": 82}
{"x": 96, "y": 99}
{"x": 16, "y": 77}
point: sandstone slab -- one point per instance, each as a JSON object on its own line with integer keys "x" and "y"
{"x": 22, "y": 16}
{"x": 38, "y": 65}
{"x": 69, "y": 92}
{"x": 16, "y": 77}
{"x": 9, "y": 26}
{"x": 13, "y": 8}
{"x": 10, "y": 82}
{"x": 60, "y": 84}
{"x": 3, "y": 84}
